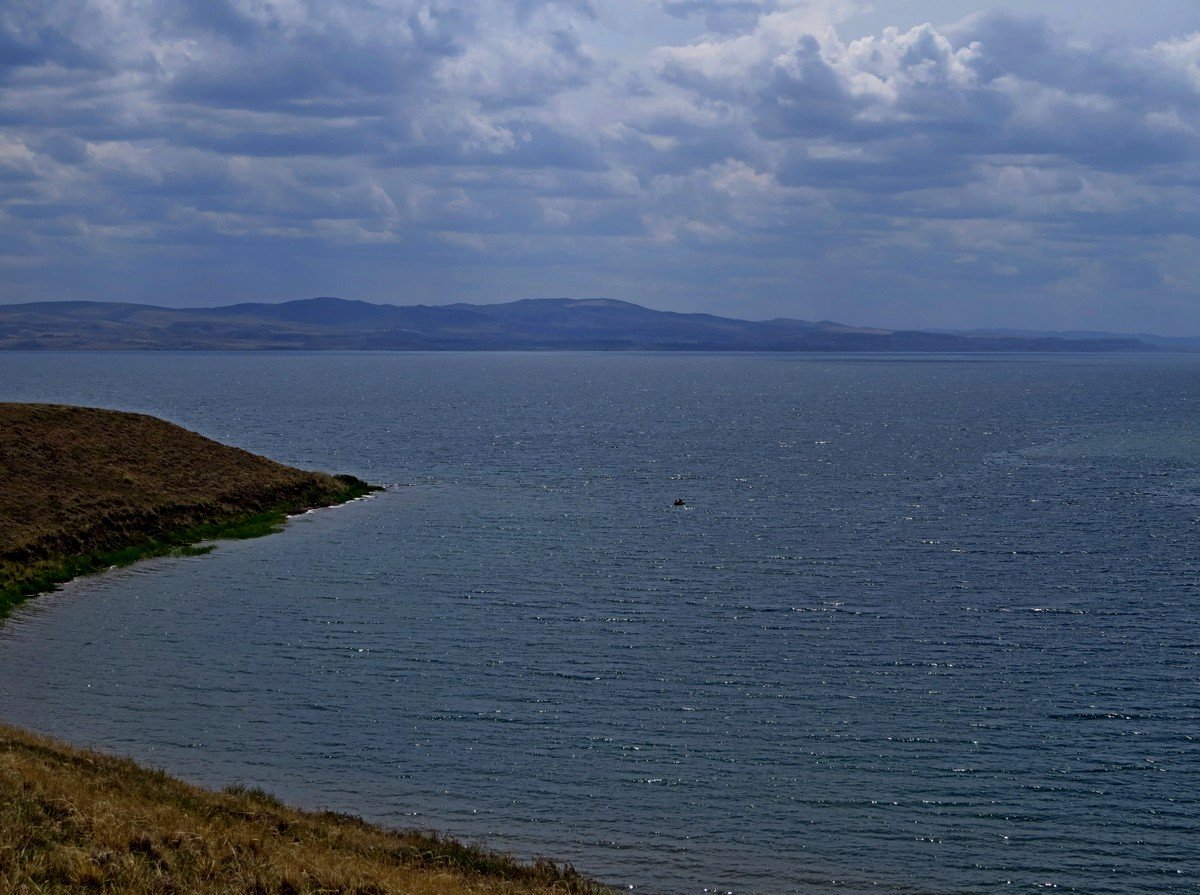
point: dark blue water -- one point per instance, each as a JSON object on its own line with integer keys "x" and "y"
{"x": 926, "y": 624}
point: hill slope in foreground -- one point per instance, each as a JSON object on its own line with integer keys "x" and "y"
{"x": 77, "y": 821}
{"x": 82, "y": 489}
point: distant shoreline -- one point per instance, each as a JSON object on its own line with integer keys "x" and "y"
{"x": 545, "y": 324}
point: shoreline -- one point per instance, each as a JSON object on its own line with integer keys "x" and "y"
{"x": 97, "y": 489}
{"x": 76, "y": 819}
{"x": 44, "y": 576}
{"x": 85, "y": 489}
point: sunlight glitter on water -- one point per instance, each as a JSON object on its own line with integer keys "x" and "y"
{"x": 931, "y": 638}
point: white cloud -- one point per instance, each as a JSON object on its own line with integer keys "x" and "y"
{"x": 997, "y": 148}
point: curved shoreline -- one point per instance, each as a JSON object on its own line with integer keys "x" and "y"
{"x": 42, "y": 576}
{"x": 85, "y": 489}
{"x": 82, "y": 490}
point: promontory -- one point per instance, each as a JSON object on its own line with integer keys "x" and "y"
{"x": 82, "y": 489}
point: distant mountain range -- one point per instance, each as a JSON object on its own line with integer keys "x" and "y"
{"x": 545, "y": 323}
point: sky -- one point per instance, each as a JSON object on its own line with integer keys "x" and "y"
{"x": 902, "y": 163}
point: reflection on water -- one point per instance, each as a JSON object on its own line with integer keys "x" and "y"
{"x": 921, "y": 627}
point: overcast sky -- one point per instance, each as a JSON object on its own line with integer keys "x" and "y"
{"x": 900, "y": 163}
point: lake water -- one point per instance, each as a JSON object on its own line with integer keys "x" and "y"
{"x": 926, "y": 624}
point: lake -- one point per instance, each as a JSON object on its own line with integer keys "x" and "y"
{"x": 926, "y": 624}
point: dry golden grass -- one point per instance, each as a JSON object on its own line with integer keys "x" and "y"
{"x": 77, "y": 821}
{"x": 78, "y": 485}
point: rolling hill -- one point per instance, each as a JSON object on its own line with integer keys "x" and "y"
{"x": 530, "y": 324}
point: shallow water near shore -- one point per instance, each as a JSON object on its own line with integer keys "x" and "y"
{"x": 926, "y": 624}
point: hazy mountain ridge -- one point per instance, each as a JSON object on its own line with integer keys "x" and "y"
{"x": 548, "y": 323}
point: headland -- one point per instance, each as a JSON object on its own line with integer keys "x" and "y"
{"x": 83, "y": 489}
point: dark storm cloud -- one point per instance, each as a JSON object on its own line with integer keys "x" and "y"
{"x": 992, "y": 168}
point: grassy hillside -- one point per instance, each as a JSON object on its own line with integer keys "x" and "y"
{"x": 76, "y": 821}
{"x": 83, "y": 489}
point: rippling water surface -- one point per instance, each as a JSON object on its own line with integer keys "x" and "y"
{"x": 926, "y": 625}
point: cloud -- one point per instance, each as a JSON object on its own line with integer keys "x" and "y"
{"x": 996, "y": 166}
{"x": 993, "y": 85}
{"x": 125, "y": 100}
{"x": 741, "y": 16}
{"x": 999, "y": 120}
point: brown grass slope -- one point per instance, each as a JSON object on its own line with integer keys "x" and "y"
{"x": 76, "y": 821}
{"x": 82, "y": 488}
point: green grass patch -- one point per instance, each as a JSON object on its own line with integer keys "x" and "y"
{"x": 48, "y": 574}
{"x": 195, "y": 550}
